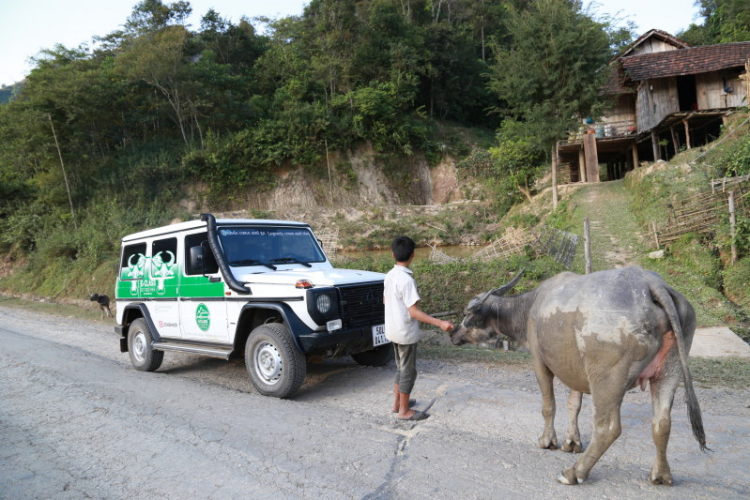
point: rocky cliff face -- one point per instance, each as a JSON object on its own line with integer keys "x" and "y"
{"x": 353, "y": 179}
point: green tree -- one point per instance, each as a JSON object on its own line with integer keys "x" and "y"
{"x": 154, "y": 15}
{"x": 724, "y": 21}
{"x": 159, "y": 60}
{"x": 552, "y": 69}
{"x": 516, "y": 161}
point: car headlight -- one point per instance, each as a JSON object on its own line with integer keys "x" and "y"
{"x": 323, "y": 304}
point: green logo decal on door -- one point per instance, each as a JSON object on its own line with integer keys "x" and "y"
{"x": 202, "y": 317}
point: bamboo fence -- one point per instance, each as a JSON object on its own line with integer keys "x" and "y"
{"x": 512, "y": 242}
{"x": 701, "y": 212}
{"x": 558, "y": 245}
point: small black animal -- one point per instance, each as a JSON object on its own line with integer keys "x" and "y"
{"x": 103, "y": 302}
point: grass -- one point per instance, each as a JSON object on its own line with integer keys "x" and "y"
{"x": 721, "y": 372}
{"x": 475, "y": 355}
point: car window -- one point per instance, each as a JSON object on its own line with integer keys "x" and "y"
{"x": 243, "y": 245}
{"x": 210, "y": 266}
{"x": 133, "y": 264}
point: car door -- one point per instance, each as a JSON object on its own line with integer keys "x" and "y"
{"x": 203, "y": 311}
{"x": 163, "y": 287}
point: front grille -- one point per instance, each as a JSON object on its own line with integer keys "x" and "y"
{"x": 362, "y": 305}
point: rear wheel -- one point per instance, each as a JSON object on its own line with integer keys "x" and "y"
{"x": 275, "y": 365}
{"x": 142, "y": 354}
{"x": 376, "y": 357}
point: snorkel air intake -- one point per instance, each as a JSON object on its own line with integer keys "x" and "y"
{"x": 213, "y": 243}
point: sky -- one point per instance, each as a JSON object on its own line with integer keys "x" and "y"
{"x": 28, "y": 26}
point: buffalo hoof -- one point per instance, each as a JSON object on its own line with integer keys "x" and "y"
{"x": 569, "y": 477}
{"x": 572, "y": 446}
{"x": 660, "y": 477}
{"x": 547, "y": 444}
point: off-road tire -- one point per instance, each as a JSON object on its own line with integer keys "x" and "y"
{"x": 142, "y": 354}
{"x": 376, "y": 357}
{"x": 275, "y": 365}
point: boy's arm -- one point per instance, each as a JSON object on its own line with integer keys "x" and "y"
{"x": 416, "y": 313}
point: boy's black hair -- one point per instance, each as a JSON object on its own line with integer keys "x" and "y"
{"x": 402, "y": 248}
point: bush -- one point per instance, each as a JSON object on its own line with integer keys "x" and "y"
{"x": 693, "y": 256}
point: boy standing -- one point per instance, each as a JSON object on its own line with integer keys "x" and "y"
{"x": 402, "y": 317}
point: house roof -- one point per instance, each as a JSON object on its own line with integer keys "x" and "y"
{"x": 661, "y": 35}
{"x": 687, "y": 61}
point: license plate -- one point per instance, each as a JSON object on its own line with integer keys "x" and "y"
{"x": 378, "y": 335}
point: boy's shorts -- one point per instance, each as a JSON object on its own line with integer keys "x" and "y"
{"x": 406, "y": 366}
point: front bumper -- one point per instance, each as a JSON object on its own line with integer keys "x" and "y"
{"x": 344, "y": 342}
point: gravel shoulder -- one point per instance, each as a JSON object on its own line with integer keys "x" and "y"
{"x": 77, "y": 421}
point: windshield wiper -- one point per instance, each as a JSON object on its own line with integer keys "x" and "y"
{"x": 251, "y": 262}
{"x": 290, "y": 260}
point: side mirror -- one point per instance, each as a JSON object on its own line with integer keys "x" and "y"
{"x": 197, "y": 258}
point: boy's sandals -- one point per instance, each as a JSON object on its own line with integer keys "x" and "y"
{"x": 420, "y": 414}
{"x": 417, "y": 415}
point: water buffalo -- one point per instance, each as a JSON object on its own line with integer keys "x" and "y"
{"x": 600, "y": 334}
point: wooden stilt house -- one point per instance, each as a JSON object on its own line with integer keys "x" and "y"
{"x": 666, "y": 97}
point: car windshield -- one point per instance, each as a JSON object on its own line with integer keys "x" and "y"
{"x": 264, "y": 246}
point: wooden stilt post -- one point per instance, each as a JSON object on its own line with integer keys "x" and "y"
{"x": 655, "y": 146}
{"x": 687, "y": 133}
{"x": 582, "y": 165}
{"x": 592, "y": 158}
{"x": 675, "y": 141}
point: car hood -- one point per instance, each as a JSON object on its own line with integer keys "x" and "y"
{"x": 318, "y": 277}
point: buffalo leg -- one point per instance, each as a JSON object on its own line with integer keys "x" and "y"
{"x": 662, "y": 396}
{"x": 607, "y": 428}
{"x": 544, "y": 378}
{"x": 572, "y": 443}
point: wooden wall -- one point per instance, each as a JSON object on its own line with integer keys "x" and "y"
{"x": 656, "y": 99}
{"x": 653, "y": 44}
{"x": 623, "y": 110}
{"x": 712, "y": 93}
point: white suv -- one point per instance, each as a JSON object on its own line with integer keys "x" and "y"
{"x": 264, "y": 288}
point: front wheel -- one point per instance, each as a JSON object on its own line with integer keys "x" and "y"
{"x": 376, "y": 357}
{"x": 142, "y": 354}
{"x": 275, "y": 365}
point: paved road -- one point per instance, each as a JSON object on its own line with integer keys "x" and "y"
{"x": 76, "y": 421}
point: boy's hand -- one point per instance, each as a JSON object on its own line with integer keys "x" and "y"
{"x": 446, "y": 326}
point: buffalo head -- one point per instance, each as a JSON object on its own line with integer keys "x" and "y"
{"x": 480, "y": 316}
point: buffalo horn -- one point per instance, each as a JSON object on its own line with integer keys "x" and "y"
{"x": 507, "y": 287}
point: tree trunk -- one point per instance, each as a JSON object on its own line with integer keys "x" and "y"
{"x": 554, "y": 178}
{"x": 523, "y": 191}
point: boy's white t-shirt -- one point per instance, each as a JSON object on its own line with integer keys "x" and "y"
{"x": 400, "y": 293}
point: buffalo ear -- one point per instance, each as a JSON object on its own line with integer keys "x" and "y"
{"x": 476, "y": 303}
{"x": 508, "y": 286}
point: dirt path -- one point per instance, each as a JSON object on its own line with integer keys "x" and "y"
{"x": 608, "y": 209}
{"x": 613, "y": 229}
